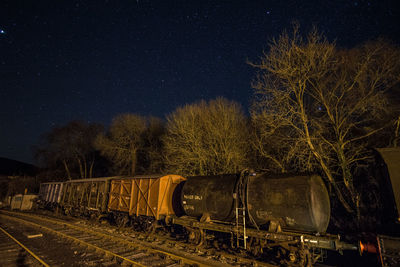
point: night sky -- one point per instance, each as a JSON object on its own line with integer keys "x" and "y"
{"x": 91, "y": 60}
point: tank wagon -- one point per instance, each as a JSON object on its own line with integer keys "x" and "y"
{"x": 260, "y": 212}
{"x": 298, "y": 203}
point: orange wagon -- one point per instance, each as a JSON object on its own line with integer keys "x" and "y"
{"x": 151, "y": 196}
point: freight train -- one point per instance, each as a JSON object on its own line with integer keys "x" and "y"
{"x": 258, "y": 212}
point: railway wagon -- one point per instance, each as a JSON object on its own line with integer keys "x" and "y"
{"x": 289, "y": 212}
{"x": 50, "y": 193}
{"x": 299, "y": 202}
{"x": 86, "y": 196}
{"x": 23, "y": 202}
{"x": 148, "y": 196}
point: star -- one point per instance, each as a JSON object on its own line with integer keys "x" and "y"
{"x": 2, "y": 31}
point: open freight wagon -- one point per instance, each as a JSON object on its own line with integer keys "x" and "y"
{"x": 87, "y": 196}
{"x": 144, "y": 197}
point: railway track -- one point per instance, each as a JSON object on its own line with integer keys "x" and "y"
{"x": 102, "y": 248}
{"x": 14, "y": 253}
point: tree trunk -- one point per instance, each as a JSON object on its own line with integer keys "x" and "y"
{"x": 85, "y": 167}
{"x": 133, "y": 163}
{"x": 333, "y": 182}
{"x": 80, "y": 168}
{"x": 91, "y": 169}
{"x": 321, "y": 161}
{"x": 67, "y": 170}
{"x": 396, "y": 132}
{"x": 348, "y": 177}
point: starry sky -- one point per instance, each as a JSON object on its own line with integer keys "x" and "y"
{"x": 91, "y": 60}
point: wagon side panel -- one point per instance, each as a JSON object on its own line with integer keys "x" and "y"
{"x": 145, "y": 194}
{"x": 168, "y": 185}
{"x": 120, "y": 195}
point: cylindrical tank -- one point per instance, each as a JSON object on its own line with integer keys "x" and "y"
{"x": 298, "y": 203}
{"x": 209, "y": 195}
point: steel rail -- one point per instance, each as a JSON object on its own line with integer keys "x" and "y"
{"x": 24, "y": 247}
{"x": 118, "y": 239}
{"x": 106, "y": 252}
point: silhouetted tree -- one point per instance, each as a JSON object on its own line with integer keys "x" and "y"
{"x": 123, "y": 141}
{"x": 317, "y": 106}
{"x": 69, "y": 146}
{"x": 206, "y": 138}
{"x": 396, "y": 136}
{"x": 150, "y": 157}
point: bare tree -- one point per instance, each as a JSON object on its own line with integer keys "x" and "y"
{"x": 150, "y": 157}
{"x": 396, "y": 132}
{"x": 123, "y": 141}
{"x": 206, "y": 138}
{"x": 316, "y": 105}
{"x": 71, "y": 147}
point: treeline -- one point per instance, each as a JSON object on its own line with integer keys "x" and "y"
{"x": 197, "y": 139}
{"x": 316, "y": 107}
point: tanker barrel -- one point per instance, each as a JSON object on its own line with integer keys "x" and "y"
{"x": 297, "y": 202}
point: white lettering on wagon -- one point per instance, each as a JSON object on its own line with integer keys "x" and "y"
{"x": 195, "y": 197}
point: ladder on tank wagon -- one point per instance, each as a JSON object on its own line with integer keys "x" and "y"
{"x": 241, "y": 227}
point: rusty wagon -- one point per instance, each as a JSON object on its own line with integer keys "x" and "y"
{"x": 50, "y": 194}
{"x": 142, "y": 197}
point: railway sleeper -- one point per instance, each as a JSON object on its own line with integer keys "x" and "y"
{"x": 121, "y": 249}
{"x": 167, "y": 264}
{"x": 148, "y": 261}
{"x": 108, "y": 245}
{"x": 84, "y": 237}
{"x": 127, "y": 252}
{"x": 8, "y": 249}
{"x": 137, "y": 256}
{"x": 161, "y": 262}
{"x": 108, "y": 256}
{"x": 91, "y": 256}
{"x": 109, "y": 264}
{"x": 91, "y": 239}
{"x": 70, "y": 232}
{"x": 175, "y": 264}
{"x": 114, "y": 248}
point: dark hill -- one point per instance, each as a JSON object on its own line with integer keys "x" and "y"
{"x": 9, "y": 167}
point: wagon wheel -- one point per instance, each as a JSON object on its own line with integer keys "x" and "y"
{"x": 94, "y": 216}
{"x": 67, "y": 212}
{"x": 57, "y": 210}
{"x": 145, "y": 224}
{"x": 295, "y": 257}
{"x": 305, "y": 257}
{"x": 103, "y": 218}
{"x": 71, "y": 212}
{"x": 121, "y": 221}
{"x": 216, "y": 244}
{"x": 150, "y": 228}
{"x": 255, "y": 247}
{"x": 202, "y": 237}
{"x": 196, "y": 236}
